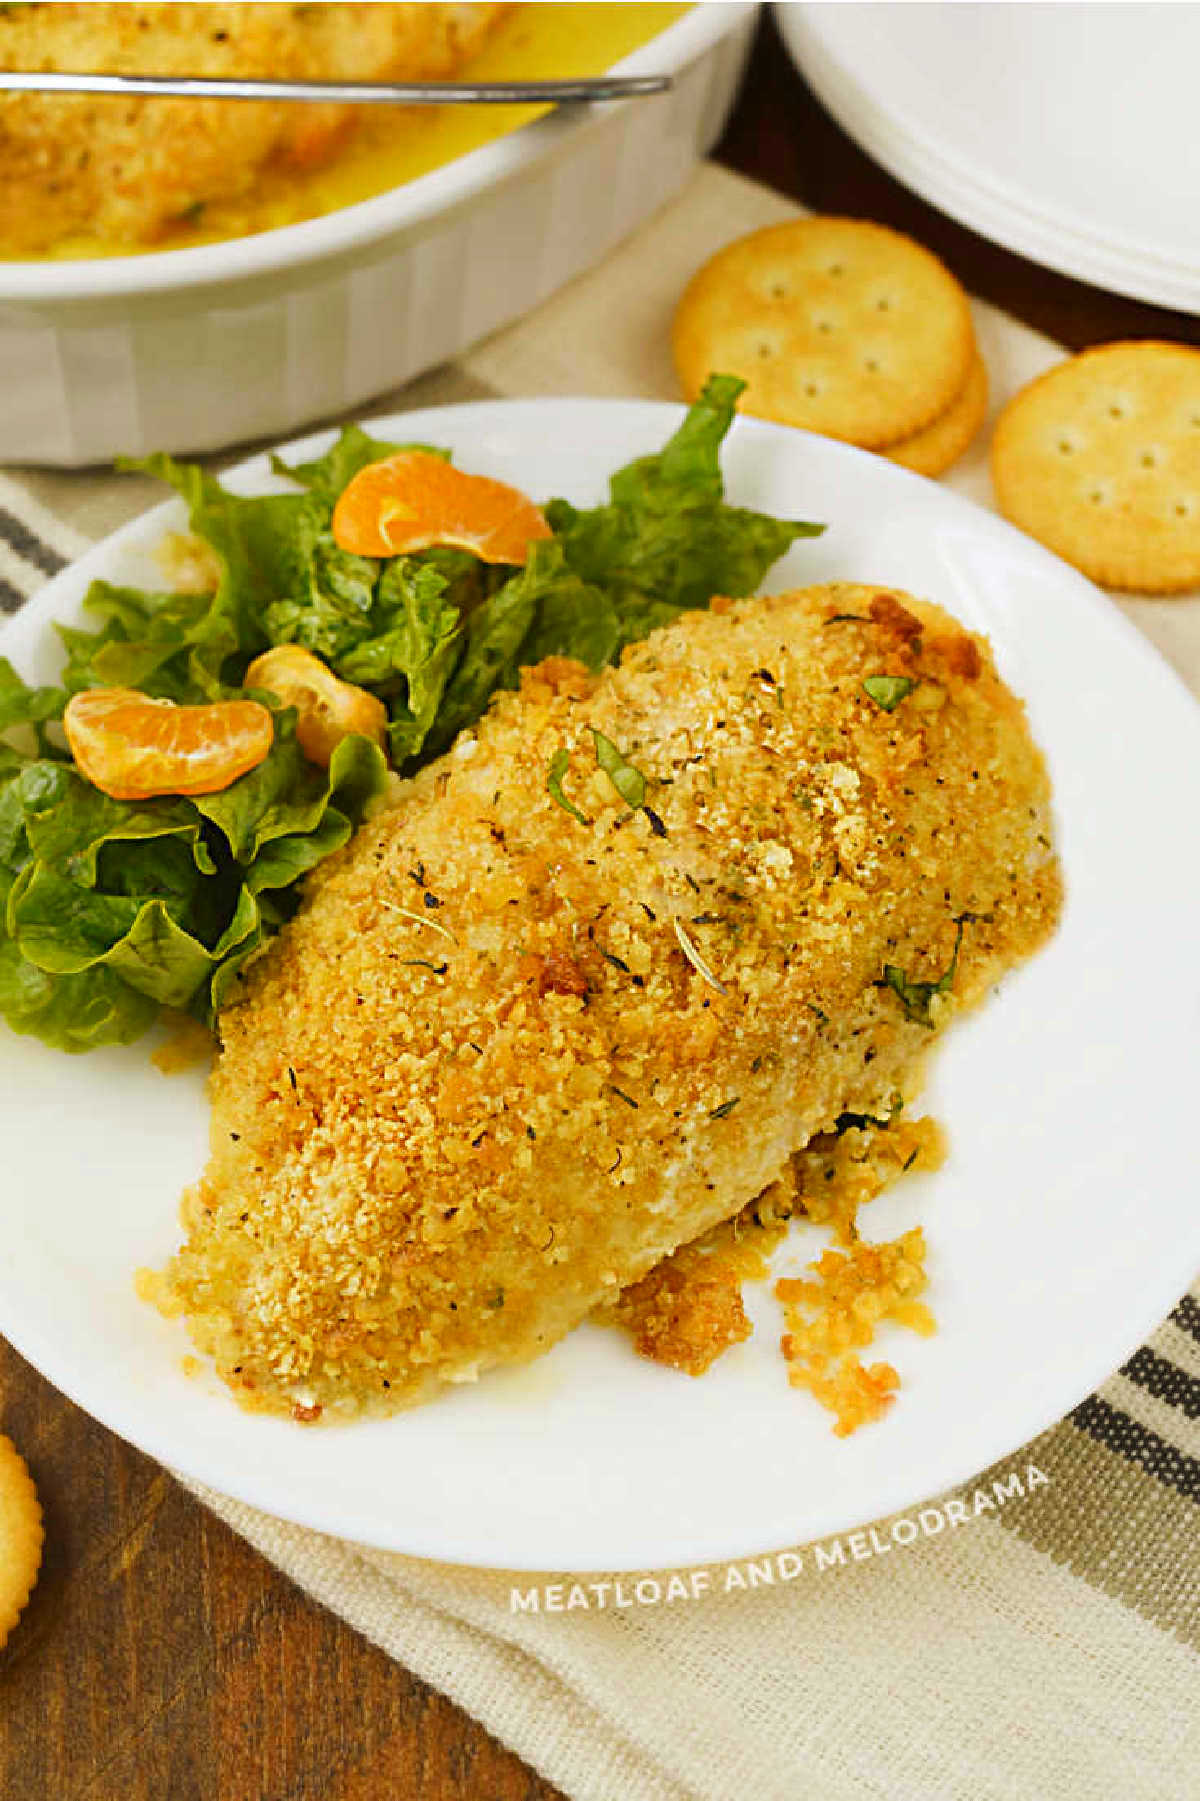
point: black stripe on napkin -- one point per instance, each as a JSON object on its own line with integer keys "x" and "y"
{"x": 18, "y": 537}
{"x": 1187, "y": 1315}
{"x": 10, "y": 598}
{"x": 1137, "y": 1444}
{"x": 1165, "y": 1381}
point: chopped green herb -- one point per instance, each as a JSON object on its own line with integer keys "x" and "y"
{"x": 725, "y": 1109}
{"x": 559, "y": 764}
{"x": 916, "y": 996}
{"x": 419, "y": 919}
{"x": 629, "y": 782}
{"x": 621, "y": 1095}
{"x": 846, "y": 1122}
{"x": 887, "y": 691}
{"x": 497, "y": 1300}
{"x": 841, "y": 618}
{"x": 656, "y": 824}
{"x": 439, "y": 969}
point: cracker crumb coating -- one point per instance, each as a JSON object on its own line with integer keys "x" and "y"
{"x": 479, "y": 1085}
{"x": 127, "y": 168}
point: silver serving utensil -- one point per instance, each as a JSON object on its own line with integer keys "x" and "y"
{"x": 356, "y": 93}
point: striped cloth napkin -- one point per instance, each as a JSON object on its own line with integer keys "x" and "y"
{"x": 1040, "y": 1642}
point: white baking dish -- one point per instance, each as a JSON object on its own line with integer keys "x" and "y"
{"x": 192, "y": 350}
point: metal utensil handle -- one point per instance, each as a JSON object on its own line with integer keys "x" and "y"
{"x": 356, "y": 93}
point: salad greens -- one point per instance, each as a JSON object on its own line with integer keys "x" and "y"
{"x": 110, "y": 909}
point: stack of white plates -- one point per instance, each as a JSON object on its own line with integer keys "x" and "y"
{"x": 1066, "y": 133}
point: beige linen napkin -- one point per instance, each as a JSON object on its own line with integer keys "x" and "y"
{"x": 1044, "y": 1647}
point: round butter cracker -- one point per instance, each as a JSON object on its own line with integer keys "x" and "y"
{"x": 932, "y": 451}
{"x": 1099, "y": 459}
{"x": 836, "y": 325}
{"x": 21, "y": 1536}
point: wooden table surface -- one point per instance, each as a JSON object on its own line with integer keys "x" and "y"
{"x": 160, "y": 1657}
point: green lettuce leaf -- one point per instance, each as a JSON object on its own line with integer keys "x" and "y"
{"x": 173, "y": 646}
{"x": 261, "y": 543}
{"x": 115, "y": 908}
{"x": 412, "y": 654}
{"x": 65, "y": 929}
{"x": 354, "y": 449}
{"x": 543, "y": 610}
{"x": 328, "y": 604}
{"x": 70, "y": 1013}
{"x": 572, "y": 618}
{"x": 287, "y": 795}
{"x": 110, "y": 909}
{"x": 68, "y": 821}
{"x": 666, "y": 540}
{"x": 22, "y": 705}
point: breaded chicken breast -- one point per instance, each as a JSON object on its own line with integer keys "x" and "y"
{"x": 585, "y": 988}
{"x": 125, "y": 170}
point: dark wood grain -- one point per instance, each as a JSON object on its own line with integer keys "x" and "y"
{"x": 161, "y": 1657}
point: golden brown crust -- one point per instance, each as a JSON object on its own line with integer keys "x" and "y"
{"x": 433, "y": 1152}
{"x": 126, "y": 170}
{"x": 684, "y": 1317}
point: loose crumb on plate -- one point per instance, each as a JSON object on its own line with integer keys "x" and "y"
{"x": 829, "y": 1320}
{"x": 188, "y": 1044}
{"x": 689, "y": 1309}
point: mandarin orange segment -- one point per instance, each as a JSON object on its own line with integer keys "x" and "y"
{"x": 133, "y": 747}
{"x": 327, "y": 708}
{"x": 412, "y": 501}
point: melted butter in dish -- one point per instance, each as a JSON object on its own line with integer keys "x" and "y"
{"x": 101, "y": 176}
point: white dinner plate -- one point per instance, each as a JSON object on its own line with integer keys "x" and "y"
{"x": 1062, "y": 1228}
{"x": 1065, "y": 133}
